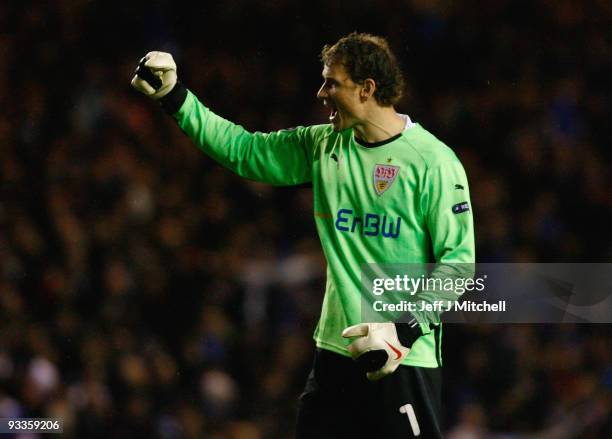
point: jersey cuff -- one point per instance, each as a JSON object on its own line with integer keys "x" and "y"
{"x": 173, "y": 101}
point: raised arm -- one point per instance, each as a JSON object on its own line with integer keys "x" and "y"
{"x": 280, "y": 158}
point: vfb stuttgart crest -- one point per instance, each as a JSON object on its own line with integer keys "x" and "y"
{"x": 384, "y": 176}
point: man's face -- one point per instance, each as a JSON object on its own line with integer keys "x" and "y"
{"x": 341, "y": 95}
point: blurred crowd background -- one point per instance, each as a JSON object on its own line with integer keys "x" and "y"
{"x": 147, "y": 292}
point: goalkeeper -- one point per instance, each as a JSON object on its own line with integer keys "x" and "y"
{"x": 385, "y": 191}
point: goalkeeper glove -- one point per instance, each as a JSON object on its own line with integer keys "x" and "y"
{"x": 155, "y": 75}
{"x": 377, "y": 348}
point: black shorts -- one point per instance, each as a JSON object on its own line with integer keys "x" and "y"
{"x": 339, "y": 402}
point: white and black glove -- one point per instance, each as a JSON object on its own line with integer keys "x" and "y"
{"x": 155, "y": 77}
{"x": 379, "y": 348}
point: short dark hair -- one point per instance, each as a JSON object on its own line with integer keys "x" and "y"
{"x": 368, "y": 56}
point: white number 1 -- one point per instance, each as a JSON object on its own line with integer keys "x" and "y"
{"x": 409, "y": 411}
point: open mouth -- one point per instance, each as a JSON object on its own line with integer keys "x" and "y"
{"x": 333, "y": 111}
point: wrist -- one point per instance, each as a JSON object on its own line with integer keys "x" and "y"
{"x": 173, "y": 101}
{"x": 408, "y": 333}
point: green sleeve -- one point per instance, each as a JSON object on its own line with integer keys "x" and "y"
{"x": 450, "y": 223}
{"x": 280, "y": 158}
{"x": 447, "y": 207}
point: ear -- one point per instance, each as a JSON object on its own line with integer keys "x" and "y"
{"x": 367, "y": 89}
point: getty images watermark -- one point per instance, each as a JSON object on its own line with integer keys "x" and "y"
{"x": 456, "y": 286}
{"x": 488, "y": 292}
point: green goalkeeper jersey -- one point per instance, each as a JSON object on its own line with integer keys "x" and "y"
{"x": 405, "y": 201}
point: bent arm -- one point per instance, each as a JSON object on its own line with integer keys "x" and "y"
{"x": 449, "y": 219}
